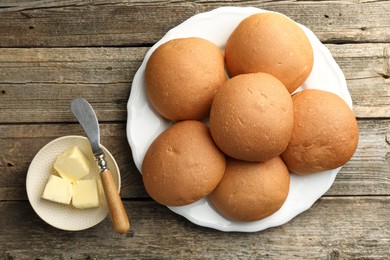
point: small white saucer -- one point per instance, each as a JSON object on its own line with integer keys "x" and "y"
{"x": 61, "y": 216}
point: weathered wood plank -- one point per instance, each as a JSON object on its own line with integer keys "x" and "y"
{"x": 20, "y": 143}
{"x": 132, "y": 23}
{"x": 366, "y": 174}
{"x": 37, "y": 80}
{"x": 332, "y": 21}
{"x": 38, "y": 84}
{"x": 334, "y": 228}
{"x": 370, "y": 165}
{"x": 367, "y": 70}
{"x": 89, "y": 25}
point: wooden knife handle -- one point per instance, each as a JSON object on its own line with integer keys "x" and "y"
{"x": 117, "y": 211}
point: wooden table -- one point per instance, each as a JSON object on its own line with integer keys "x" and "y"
{"x": 53, "y": 51}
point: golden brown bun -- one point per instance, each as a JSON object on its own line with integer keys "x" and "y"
{"x": 251, "y": 191}
{"x": 325, "y": 134}
{"x": 182, "y": 165}
{"x": 270, "y": 43}
{"x": 251, "y": 117}
{"x": 182, "y": 76}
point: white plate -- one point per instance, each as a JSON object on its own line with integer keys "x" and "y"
{"x": 58, "y": 215}
{"x": 144, "y": 124}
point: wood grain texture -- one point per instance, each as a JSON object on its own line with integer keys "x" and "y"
{"x": 20, "y": 143}
{"x": 52, "y": 51}
{"x": 90, "y": 24}
{"x": 334, "y": 228}
{"x": 134, "y": 23}
{"x": 367, "y": 70}
{"x": 367, "y": 173}
{"x": 38, "y": 84}
{"x": 332, "y": 21}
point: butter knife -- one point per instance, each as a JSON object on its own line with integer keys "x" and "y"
{"x": 86, "y": 116}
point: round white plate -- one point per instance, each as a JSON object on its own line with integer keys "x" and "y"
{"x": 62, "y": 216}
{"x": 145, "y": 124}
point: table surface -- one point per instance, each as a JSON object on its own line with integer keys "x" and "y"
{"x": 53, "y": 51}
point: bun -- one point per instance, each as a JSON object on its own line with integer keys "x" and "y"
{"x": 325, "y": 134}
{"x": 270, "y": 43}
{"x": 182, "y": 165}
{"x": 182, "y": 76}
{"x": 251, "y": 191}
{"x": 251, "y": 117}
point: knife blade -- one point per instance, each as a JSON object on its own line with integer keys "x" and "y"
{"x": 86, "y": 116}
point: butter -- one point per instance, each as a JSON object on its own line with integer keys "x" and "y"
{"x": 72, "y": 164}
{"x": 85, "y": 194}
{"x": 58, "y": 190}
{"x": 100, "y": 187}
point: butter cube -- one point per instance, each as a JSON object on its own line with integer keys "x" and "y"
{"x": 72, "y": 164}
{"x": 85, "y": 194}
{"x": 100, "y": 187}
{"x": 58, "y": 190}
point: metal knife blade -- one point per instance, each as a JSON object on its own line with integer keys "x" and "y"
{"x": 86, "y": 116}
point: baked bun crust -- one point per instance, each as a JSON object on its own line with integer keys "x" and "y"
{"x": 182, "y": 76}
{"x": 271, "y": 43}
{"x": 182, "y": 165}
{"x": 251, "y": 117}
{"x": 325, "y": 134}
{"x": 251, "y": 191}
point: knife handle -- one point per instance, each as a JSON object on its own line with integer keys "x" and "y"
{"x": 117, "y": 211}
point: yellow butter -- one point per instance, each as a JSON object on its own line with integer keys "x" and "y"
{"x": 100, "y": 188}
{"x": 72, "y": 164}
{"x": 85, "y": 194}
{"x": 58, "y": 190}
